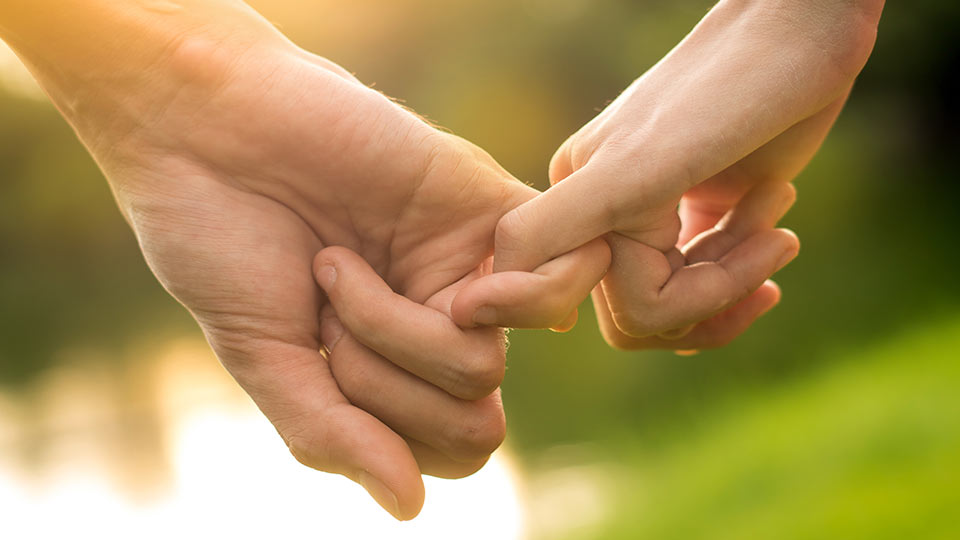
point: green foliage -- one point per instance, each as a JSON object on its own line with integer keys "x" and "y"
{"x": 867, "y": 447}
{"x": 70, "y": 270}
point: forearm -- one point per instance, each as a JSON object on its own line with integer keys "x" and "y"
{"x": 749, "y": 71}
{"x": 101, "y": 61}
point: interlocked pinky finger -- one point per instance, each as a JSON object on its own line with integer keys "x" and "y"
{"x": 712, "y": 333}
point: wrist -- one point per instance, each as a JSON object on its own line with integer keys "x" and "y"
{"x": 750, "y": 70}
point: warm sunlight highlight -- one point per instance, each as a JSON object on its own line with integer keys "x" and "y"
{"x": 14, "y": 76}
{"x": 227, "y": 473}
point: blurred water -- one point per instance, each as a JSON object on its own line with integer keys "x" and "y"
{"x": 175, "y": 447}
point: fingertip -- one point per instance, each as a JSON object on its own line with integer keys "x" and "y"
{"x": 568, "y": 323}
{"x": 768, "y": 295}
{"x": 349, "y": 441}
{"x": 791, "y": 249}
{"x": 326, "y": 263}
{"x": 403, "y": 508}
{"x": 326, "y": 276}
{"x": 386, "y": 498}
{"x": 323, "y": 257}
{"x": 777, "y": 195}
{"x": 772, "y": 288}
{"x": 791, "y": 192}
{"x": 794, "y": 239}
{"x": 394, "y": 483}
{"x": 464, "y": 306}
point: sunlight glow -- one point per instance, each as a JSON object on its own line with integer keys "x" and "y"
{"x": 14, "y": 77}
{"x": 230, "y": 476}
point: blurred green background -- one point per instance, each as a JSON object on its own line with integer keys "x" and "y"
{"x": 836, "y": 416}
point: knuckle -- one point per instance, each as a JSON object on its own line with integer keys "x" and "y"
{"x": 307, "y": 449}
{"x": 480, "y": 431}
{"x": 299, "y": 450}
{"x": 636, "y": 323}
{"x": 433, "y": 147}
{"x": 620, "y": 341}
{"x": 479, "y": 375}
{"x": 509, "y": 233}
{"x": 200, "y": 61}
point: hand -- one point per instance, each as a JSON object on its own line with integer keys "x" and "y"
{"x": 739, "y": 106}
{"x": 236, "y": 166}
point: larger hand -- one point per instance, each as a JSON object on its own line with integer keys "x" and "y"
{"x": 236, "y": 157}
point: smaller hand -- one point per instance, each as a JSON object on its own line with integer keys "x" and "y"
{"x": 717, "y": 284}
{"x": 739, "y": 106}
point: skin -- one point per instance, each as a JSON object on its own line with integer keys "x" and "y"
{"x": 247, "y": 169}
{"x": 686, "y": 174}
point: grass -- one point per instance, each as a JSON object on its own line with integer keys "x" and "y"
{"x": 867, "y": 447}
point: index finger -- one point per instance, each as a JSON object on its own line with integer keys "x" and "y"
{"x": 545, "y": 298}
{"x": 559, "y": 220}
{"x": 468, "y": 364}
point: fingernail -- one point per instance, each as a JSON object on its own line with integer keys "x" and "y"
{"x": 686, "y": 352}
{"x": 485, "y": 316}
{"x": 380, "y": 493}
{"x": 330, "y": 332}
{"x": 786, "y": 258}
{"x": 326, "y": 276}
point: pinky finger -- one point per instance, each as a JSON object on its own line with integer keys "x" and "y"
{"x": 723, "y": 328}
{"x": 712, "y": 333}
